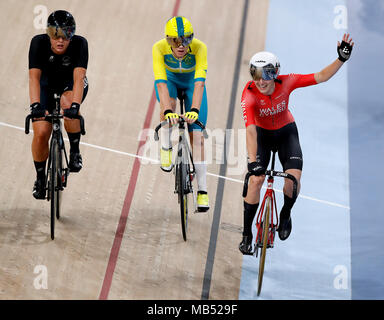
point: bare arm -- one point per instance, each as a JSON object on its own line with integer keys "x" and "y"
{"x": 165, "y": 99}
{"x": 78, "y": 84}
{"x": 34, "y": 85}
{"x": 328, "y": 72}
{"x": 198, "y": 94}
{"x": 251, "y": 138}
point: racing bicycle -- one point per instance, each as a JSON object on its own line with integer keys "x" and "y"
{"x": 57, "y": 169}
{"x": 184, "y": 168}
{"x": 267, "y": 219}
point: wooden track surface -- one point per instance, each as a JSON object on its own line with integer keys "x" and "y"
{"x": 153, "y": 261}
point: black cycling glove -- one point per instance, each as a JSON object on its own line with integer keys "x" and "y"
{"x": 344, "y": 51}
{"x": 73, "y": 111}
{"x": 256, "y": 168}
{"x": 37, "y": 110}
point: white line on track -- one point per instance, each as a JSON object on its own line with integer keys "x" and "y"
{"x": 334, "y": 204}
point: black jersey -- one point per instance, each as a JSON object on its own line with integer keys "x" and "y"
{"x": 57, "y": 70}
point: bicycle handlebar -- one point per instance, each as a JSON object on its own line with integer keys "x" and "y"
{"x": 162, "y": 124}
{"x": 53, "y": 117}
{"x": 271, "y": 173}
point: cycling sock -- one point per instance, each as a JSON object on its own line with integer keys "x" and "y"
{"x": 288, "y": 204}
{"x": 166, "y": 143}
{"x": 201, "y": 175}
{"x": 40, "y": 169}
{"x": 249, "y": 215}
{"x": 74, "y": 141}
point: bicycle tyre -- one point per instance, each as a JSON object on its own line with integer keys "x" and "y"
{"x": 59, "y": 180}
{"x": 183, "y": 199}
{"x": 53, "y": 186}
{"x": 265, "y": 244}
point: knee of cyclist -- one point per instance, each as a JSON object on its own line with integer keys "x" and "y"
{"x": 65, "y": 105}
{"x": 289, "y": 190}
{"x": 41, "y": 137}
{"x": 65, "y": 102}
{"x": 256, "y": 181}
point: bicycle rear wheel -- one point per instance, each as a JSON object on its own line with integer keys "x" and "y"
{"x": 265, "y": 234}
{"x": 183, "y": 198}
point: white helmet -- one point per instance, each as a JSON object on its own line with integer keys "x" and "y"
{"x": 264, "y": 65}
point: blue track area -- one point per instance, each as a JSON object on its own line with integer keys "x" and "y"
{"x": 315, "y": 262}
{"x": 366, "y": 148}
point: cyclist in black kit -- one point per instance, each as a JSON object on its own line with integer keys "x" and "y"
{"x": 57, "y": 64}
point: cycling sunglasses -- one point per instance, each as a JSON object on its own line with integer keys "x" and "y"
{"x": 266, "y": 73}
{"x": 65, "y": 32}
{"x": 180, "y": 41}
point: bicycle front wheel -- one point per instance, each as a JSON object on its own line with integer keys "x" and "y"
{"x": 59, "y": 175}
{"x": 267, "y": 214}
{"x": 183, "y": 198}
{"x": 53, "y": 182}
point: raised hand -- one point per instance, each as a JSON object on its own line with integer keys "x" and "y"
{"x": 344, "y": 49}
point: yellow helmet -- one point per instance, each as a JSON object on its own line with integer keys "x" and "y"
{"x": 178, "y": 27}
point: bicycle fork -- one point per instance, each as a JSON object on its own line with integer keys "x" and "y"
{"x": 62, "y": 171}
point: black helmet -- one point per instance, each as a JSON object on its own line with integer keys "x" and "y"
{"x": 61, "y": 24}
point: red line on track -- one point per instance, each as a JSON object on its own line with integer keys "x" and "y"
{"x": 129, "y": 195}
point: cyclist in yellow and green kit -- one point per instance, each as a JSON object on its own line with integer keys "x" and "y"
{"x": 180, "y": 62}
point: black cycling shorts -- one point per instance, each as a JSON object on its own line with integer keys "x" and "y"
{"x": 47, "y": 94}
{"x": 285, "y": 141}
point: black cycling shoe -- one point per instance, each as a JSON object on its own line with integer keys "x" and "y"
{"x": 245, "y": 245}
{"x": 75, "y": 162}
{"x": 39, "y": 189}
{"x": 285, "y": 227}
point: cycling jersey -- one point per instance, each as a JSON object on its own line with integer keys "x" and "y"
{"x": 182, "y": 73}
{"x": 271, "y": 112}
{"x": 57, "y": 70}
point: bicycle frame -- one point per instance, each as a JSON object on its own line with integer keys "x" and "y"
{"x": 274, "y": 218}
{"x": 57, "y": 136}
{"x": 184, "y": 153}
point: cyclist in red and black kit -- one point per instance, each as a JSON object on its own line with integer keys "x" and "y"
{"x": 271, "y": 126}
{"x": 57, "y": 64}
